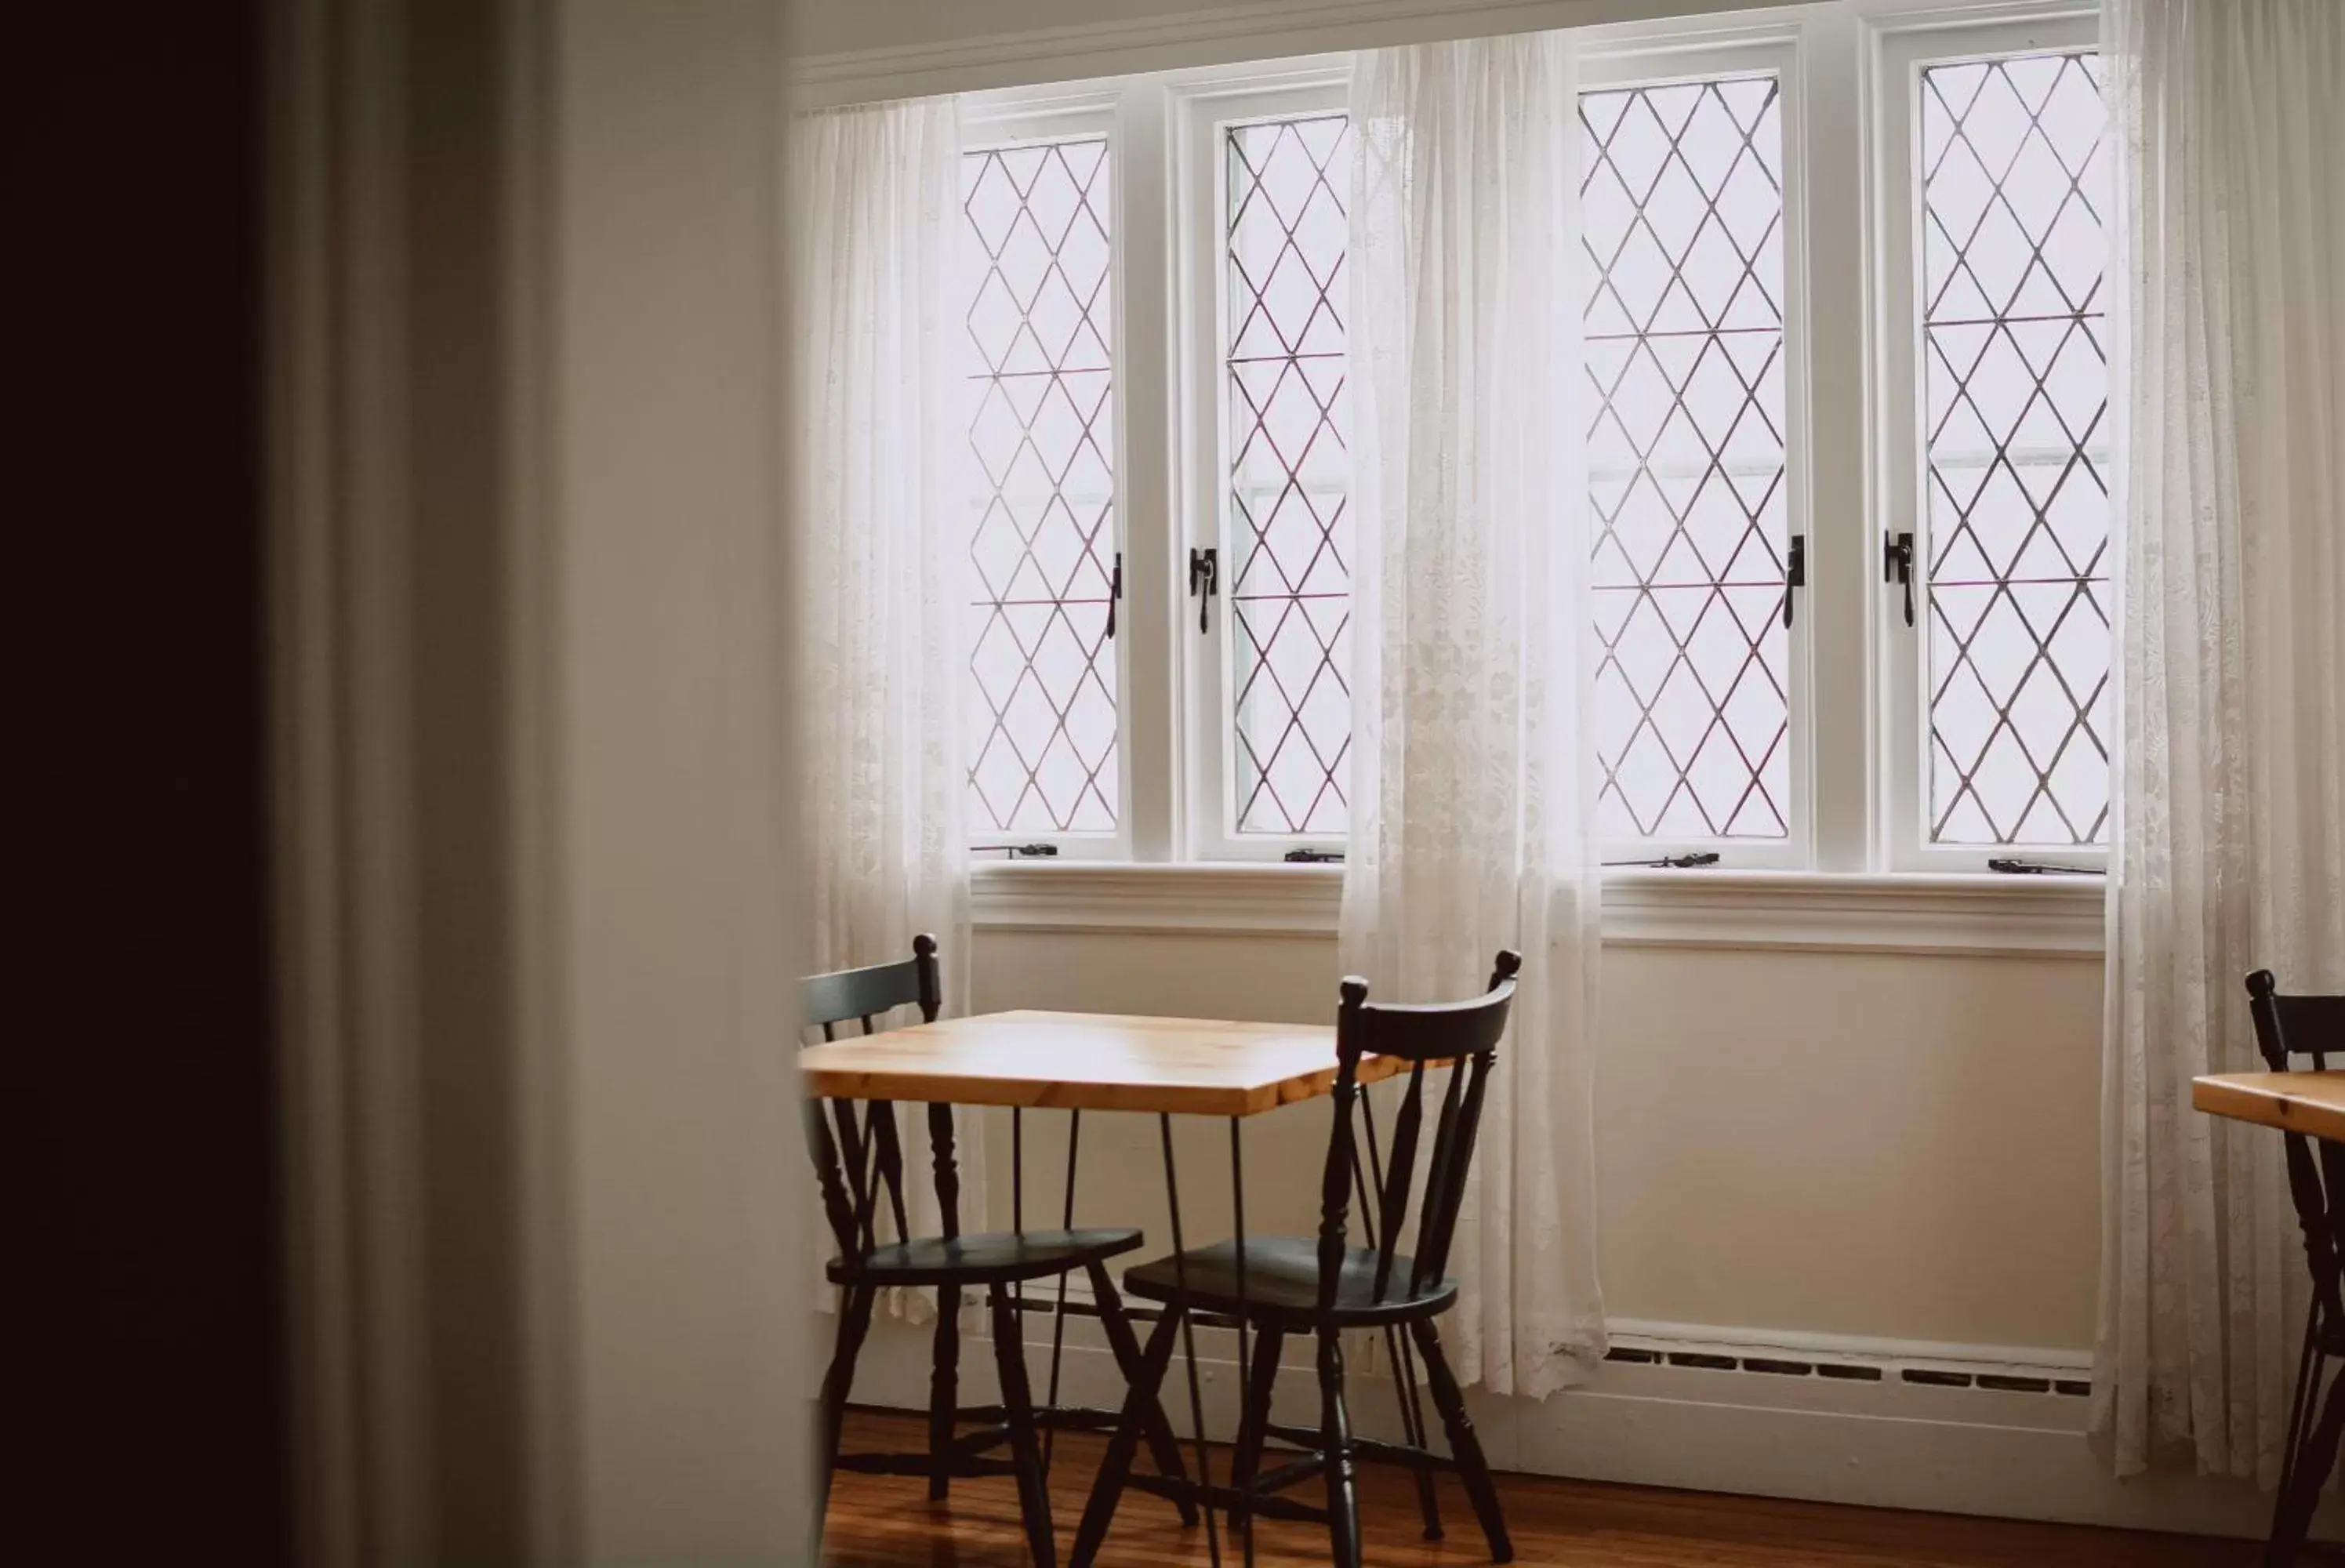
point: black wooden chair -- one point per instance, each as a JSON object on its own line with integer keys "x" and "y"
{"x": 2314, "y": 1027}
{"x": 1323, "y": 1286}
{"x": 999, "y": 1262}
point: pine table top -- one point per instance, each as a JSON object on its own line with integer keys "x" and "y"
{"x": 1088, "y": 1062}
{"x": 2309, "y": 1103}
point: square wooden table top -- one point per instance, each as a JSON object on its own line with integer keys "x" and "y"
{"x": 1088, "y": 1062}
{"x": 2309, "y": 1103}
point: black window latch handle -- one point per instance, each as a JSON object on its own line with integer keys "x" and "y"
{"x": 1204, "y": 571}
{"x": 1897, "y": 566}
{"x": 1796, "y": 574}
{"x": 1114, "y": 592}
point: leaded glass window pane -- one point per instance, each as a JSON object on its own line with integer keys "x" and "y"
{"x": 1042, "y": 705}
{"x": 1290, "y": 584}
{"x": 1683, "y": 204}
{"x": 2016, "y": 412}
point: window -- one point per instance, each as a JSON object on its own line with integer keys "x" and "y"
{"x": 1042, "y": 695}
{"x": 1683, "y": 207}
{"x": 1262, "y": 176}
{"x": 1289, "y": 545}
{"x": 1995, "y": 442}
{"x": 2014, "y": 444}
{"x": 1827, "y": 379}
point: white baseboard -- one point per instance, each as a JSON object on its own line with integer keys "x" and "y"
{"x": 1890, "y": 1443}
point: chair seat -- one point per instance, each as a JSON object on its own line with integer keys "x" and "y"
{"x": 1283, "y": 1280}
{"x": 985, "y": 1257}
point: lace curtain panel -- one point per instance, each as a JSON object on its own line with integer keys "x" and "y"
{"x": 2230, "y": 837}
{"x": 875, "y": 210}
{"x": 1473, "y": 775}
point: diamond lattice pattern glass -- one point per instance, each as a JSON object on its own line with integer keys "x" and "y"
{"x": 2016, "y": 395}
{"x": 1683, "y": 203}
{"x": 1042, "y": 705}
{"x": 1289, "y": 533}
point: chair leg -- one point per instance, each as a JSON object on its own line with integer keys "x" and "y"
{"x": 1464, "y": 1446}
{"x": 1412, "y": 1420}
{"x": 854, "y": 1322}
{"x": 944, "y": 1390}
{"x": 1335, "y": 1435}
{"x": 1254, "y": 1423}
{"x": 2306, "y": 1468}
{"x": 1162, "y": 1444}
{"x": 1139, "y": 1398}
{"x": 1025, "y": 1448}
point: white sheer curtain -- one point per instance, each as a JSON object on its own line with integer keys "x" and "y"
{"x": 2229, "y": 117}
{"x": 1473, "y": 781}
{"x": 873, "y": 221}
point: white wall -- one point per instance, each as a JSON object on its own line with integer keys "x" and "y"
{"x": 1896, "y": 1146}
{"x": 671, "y": 822}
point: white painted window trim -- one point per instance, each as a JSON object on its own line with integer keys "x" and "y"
{"x": 1978, "y": 913}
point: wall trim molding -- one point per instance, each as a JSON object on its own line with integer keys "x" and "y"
{"x": 1201, "y": 35}
{"x": 1233, "y": 899}
{"x": 1891, "y": 1445}
{"x": 1960, "y": 914}
{"x": 1982, "y": 915}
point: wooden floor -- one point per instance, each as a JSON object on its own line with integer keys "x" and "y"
{"x": 875, "y": 1520}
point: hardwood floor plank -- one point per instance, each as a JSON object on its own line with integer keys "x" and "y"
{"x": 878, "y": 1520}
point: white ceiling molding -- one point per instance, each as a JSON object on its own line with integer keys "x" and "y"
{"x": 1971, "y": 914}
{"x": 1175, "y": 39}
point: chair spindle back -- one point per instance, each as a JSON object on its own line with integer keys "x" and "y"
{"x": 2313, "y": 1026}
{"x": 1462, "y": 1034}
{"x": 870, "y": 1152}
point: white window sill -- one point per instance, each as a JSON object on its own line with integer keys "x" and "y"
{"x": 1812, "y": 910}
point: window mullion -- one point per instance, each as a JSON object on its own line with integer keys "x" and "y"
{"x": 1145, "y": 360}
{"x": 1828, "y": 157}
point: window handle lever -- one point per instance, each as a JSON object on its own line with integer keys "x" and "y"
{"x": 1114, "y": 592}
{"x": 1897, "y": 566}
{"x": 1204, "y": 572}
{"x": 1795, "y": 574}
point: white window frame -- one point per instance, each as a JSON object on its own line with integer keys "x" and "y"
{"x": 1899, "y": 51}
{"x": 1644, "y": 55}
{"x": 1204, "y": 111}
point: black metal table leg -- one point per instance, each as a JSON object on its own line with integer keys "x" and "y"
{"x": 1189, "y": 1345}
{"x": 1241, "y": 1517}
{"x": 1058, "y": 1313}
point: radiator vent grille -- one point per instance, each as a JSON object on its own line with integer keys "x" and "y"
{"x": 1783, "y": 1366}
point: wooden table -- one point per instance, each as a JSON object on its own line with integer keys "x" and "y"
{"x": 2309, "y": 1106}
{"x": 1088, "y": 1061}
{"x": 2310, "y": 1103}
{"x": 1097, "y": 1061}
